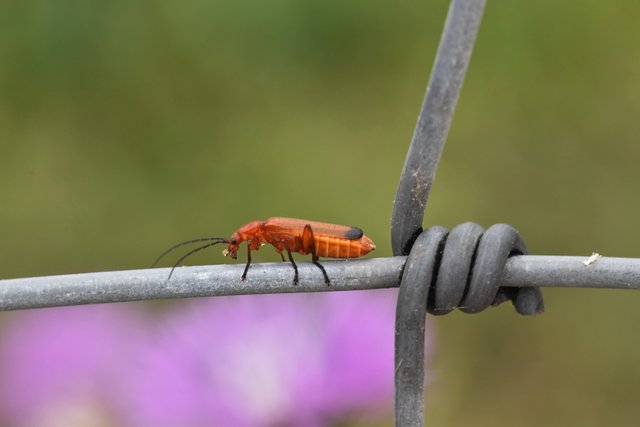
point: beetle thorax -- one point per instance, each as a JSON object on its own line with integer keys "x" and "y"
{"x": 251, "y": 230}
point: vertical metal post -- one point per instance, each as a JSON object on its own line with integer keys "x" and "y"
{"x": 452, "y": 60}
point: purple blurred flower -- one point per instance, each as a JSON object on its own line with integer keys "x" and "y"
{"x": 271, "y": 360}
{"x": 63, "y": 364}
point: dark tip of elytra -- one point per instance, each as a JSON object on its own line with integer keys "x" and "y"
{"x": 354, "y": 233}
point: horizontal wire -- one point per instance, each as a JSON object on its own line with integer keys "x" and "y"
{"x": 361, "y": 274}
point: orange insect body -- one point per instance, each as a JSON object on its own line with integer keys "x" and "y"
{"x": 304, "y": 237}
{"x": 290, "y": 235}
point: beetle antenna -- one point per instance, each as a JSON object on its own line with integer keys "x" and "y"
{"x": 188, "y": 254}
{"x": 202, "y": 239}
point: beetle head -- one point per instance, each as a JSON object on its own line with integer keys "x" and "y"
{"x": 234, "y": 244}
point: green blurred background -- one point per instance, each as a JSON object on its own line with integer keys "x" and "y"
{"x": 128, "y": 126}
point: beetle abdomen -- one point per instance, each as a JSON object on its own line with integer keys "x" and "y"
{"x": 338, "y": 247}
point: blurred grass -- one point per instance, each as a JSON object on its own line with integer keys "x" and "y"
{"x": 128, "y": 126}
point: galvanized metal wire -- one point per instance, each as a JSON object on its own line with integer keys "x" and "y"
{"x": 265, "y": 278}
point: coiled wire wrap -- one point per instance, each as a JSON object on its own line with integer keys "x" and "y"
{"x": 463, "y": 268}
{"x": 446, "y": 270}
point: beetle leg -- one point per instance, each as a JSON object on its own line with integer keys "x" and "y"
{"x": 295, "y": 267}
{"x": 314, "y": 260}
{"x": 246, "y": 268}
{"x": 309, "y": 244}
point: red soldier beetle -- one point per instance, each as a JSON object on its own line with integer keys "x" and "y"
{"x": 289, "y": 235}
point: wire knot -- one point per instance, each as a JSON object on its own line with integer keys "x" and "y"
{"x": 463, "y": 269}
